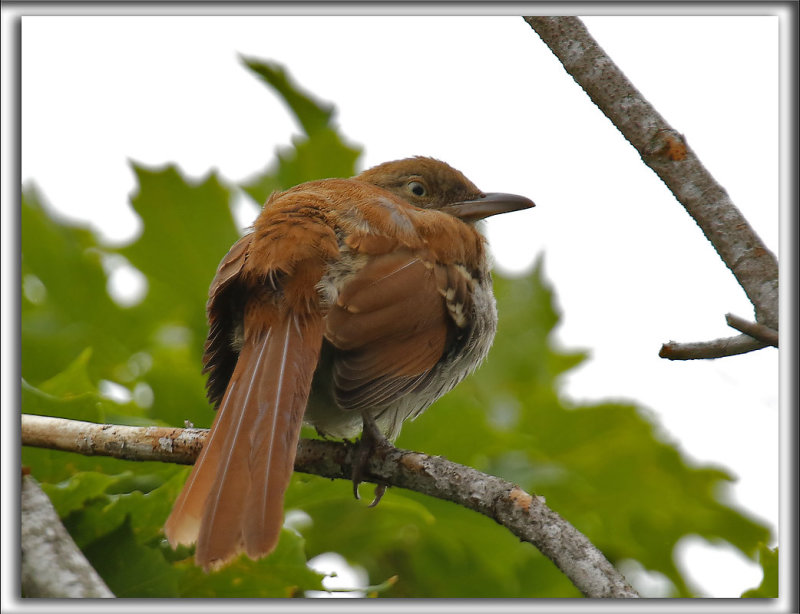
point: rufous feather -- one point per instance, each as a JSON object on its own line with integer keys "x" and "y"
{"x": 233, "y": 499}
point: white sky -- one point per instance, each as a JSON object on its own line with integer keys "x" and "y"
{"x": 630, "y": 268}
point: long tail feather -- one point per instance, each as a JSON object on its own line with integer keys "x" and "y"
{"x": 233, "y": 499}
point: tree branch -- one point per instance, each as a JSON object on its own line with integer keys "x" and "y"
{"x": 525, "y": 515}
{"x": 718, "y": 348}
{"x": 757, "y": 331}
{"x": 52, "y": 565}
{"x": 665, "y": 151}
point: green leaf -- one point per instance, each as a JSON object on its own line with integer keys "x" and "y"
{"x": 768, "y": 558}
{"x": 71, "y": 394}
{"x": 145, "y": 511}
{"x": 65, "y": 307}
{"x": 314, "y": 115}
{"x": 131, "y": 569}
{"x": 77, "y": 399}
{"x": 188, "y": 228}
{"x": 284, "y": 573}
{"x": 436, "y": 548}
{"x": 332, "y": 504}
{"x": 72, "y": 494}
{"x": 178, "y": 385}
{"x": 72, "y": 381}
{"x": 320, "y": 154}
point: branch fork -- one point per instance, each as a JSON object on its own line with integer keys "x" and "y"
{"x": 666, "y": 152}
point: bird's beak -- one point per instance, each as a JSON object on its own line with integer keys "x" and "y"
{"x": 486, "y": 205}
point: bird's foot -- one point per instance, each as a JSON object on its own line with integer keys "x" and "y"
{"x": 371, "y": 441}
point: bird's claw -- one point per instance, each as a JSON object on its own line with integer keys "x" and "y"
{"x": 379, "y": 490}
{"x": 371, "y": 440}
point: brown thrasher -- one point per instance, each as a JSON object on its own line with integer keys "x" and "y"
{"x": 362, "y": 299}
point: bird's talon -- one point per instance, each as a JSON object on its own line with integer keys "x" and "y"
{"x": 371, "y": 440}
{"x": 379, "y": 490}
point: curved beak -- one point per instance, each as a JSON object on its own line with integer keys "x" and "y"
{"x": 487, "y": 205}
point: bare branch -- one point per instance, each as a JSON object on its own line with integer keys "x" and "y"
{"x": 152, "y": 443}
{"x": 754, "y": 329}
{"x": 525, "y": 515}
{"x": 665, "y": 151}
{"x": 719, "y": 348}
{"x": 51, "y": 564}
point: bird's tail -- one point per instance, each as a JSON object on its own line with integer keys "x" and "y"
{"x": 233, "y": 499}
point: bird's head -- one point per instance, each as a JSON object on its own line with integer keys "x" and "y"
{"x": 432, "y": 184}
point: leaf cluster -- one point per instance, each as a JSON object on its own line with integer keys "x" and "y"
{"x": 605, "y": 467}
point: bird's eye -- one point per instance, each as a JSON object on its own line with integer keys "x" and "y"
{"x": 417, "y": 189}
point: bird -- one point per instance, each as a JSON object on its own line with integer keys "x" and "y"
{"x": 352, "y": 304}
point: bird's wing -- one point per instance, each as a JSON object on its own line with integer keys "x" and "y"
{"x": 225, "y": 305}
{"x": 390, "y": 326}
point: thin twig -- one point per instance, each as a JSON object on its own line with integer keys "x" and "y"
{"x": 666, "y": 152}
{"x": 718, "y": 348}
{"x": 152, "y": 443}
{"x": 525, "y": 515}
{"x": 754, "y": 329}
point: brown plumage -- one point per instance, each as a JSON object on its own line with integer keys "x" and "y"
{"x": 351, "y": 298}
